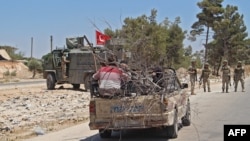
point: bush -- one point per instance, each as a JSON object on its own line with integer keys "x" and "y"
{"x": 13, "y": 73}
{"x": 7, "y": 73}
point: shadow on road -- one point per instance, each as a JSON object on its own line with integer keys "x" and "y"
{"x": 132, "y": 135}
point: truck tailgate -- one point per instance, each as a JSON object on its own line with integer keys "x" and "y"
{"x": 129, "y": 112}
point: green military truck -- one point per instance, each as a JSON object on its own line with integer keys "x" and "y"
{"x": 84, "y": 61}
{"x": 144, "y": 104}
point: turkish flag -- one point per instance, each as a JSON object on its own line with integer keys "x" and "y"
{"x": 101, "y": 38}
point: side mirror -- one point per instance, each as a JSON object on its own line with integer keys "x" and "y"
{"x": 184, "y": 85}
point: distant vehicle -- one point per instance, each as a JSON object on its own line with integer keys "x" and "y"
{"x": 145, "y": 104}
{"x": 80, "y": 68}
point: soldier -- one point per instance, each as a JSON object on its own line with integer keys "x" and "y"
{"x": 225, "y": 76}
{"x": 193, "y": 75}
{"x": 205, "y": 77}
{"x": 239, "y": 75}
{"x": 64, "y": 65}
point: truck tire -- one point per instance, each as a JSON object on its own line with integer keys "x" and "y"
{"x": 76, "y": 86}
{"x": 172, "y": 131}
{"x": 186, "y": 120}
{"x": 104, "y": 133}
{"x": 51, "y": 82}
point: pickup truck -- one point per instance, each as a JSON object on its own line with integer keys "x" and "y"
{"x": 147, "y": 105}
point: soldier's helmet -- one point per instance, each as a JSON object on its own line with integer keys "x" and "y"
{"x": 206, "y": 64}
{"x": 239, "y": 62}
{"x": 225, "y": 61}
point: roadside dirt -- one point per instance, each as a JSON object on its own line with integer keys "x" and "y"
{"x": 27, "y": 112}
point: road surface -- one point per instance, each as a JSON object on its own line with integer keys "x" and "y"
{"x": 23, "y": 83}
{"x": 210, "y": 112}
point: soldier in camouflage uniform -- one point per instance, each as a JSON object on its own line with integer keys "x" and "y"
{"x": 205, "y": 77}
{"x": 193, "y": 75}
{"x": 239, "y": 75}
{"x": 64, "y": 63}
{"x": 225, "y": 76}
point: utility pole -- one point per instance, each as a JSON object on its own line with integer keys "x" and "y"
{"x": 51, "y": 43}
{"x": 31, "y": 53}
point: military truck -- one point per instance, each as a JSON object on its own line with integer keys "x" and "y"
{"x": 164, "y": 104}
{"x": 83, "y": 63}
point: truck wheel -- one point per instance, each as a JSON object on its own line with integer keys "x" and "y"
{"x": 76, "y": 86}
{"x": 104, "y": 133}
{"x": 186, "y": 120}
{"x": 172, "y": 131}
{"x": 51, "y": 82}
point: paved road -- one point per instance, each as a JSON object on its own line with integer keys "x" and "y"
{"x": 210, "y": 112}
{"x": 23, "y": 83}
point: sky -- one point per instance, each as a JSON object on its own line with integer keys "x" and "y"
{"x": 22, "y": 20}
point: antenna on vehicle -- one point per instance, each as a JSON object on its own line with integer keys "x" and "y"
{"x": 51, "y": 43}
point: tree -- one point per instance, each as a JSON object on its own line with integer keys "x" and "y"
{"x": 144, "y": 38}
{"x": 211, "y": 12}
{"x": 230, "y": 35}
{"x": 34, "y": 66}
{"x": 174, "y": 46}
{"x": 152, "y": 43}
{"x": 188, "y": 51}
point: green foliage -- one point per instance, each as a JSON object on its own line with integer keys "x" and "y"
{"x": 212, "y": 11}
{"x": 34, "y": 66}
{"x": 13, "y": 73}
{"x": 188, "y": 51}
{"x": 11, "y": 51}
{"x": 150, "y": 42}
{"x": 18, "y": 56}
{"x": 230, "y": 35}
{"x": 46, "y": 56}
{"x": 7, "y": 73}
{"x": 174, "y": 47}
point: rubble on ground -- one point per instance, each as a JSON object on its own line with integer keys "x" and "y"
{"x": 36, "y": 112}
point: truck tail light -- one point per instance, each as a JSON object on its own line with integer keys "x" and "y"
{"x": 92, "y": 107}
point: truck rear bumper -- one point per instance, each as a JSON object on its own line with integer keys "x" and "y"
{"x": 131, "y": 122}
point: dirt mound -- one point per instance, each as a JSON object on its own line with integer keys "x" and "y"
{"x": 14, "y": 69}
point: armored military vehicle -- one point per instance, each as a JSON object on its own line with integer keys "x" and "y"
{"x": 83, "y": 62}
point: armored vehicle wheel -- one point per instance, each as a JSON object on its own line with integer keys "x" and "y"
{"x": 172, "y": 131}
{"x": 104, "y": 133}
{"x": 51, "y": 82}
{"x": 76, "y": 86}
{"x": 186, "y": 120}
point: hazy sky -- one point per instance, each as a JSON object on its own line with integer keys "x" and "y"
{"x": 20, "y": 20}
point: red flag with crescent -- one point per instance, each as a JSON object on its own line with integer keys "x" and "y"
{"x": 101, "y": 38}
